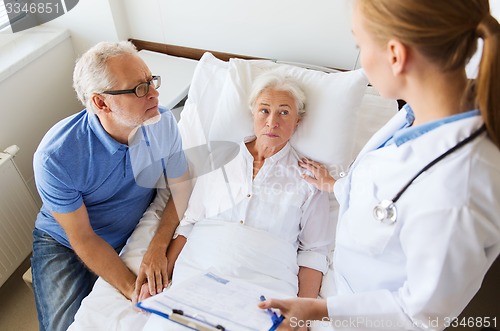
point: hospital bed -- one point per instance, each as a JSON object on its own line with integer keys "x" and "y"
{"x": 343, "y": 112}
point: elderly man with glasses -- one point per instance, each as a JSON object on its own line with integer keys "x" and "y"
{"x": 86, "y": 171}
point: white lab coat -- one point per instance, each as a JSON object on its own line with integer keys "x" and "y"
{"x": 421, "y": 271}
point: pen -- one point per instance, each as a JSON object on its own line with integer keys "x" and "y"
{"x": 178, "y": 316}
{"x": 272, "y": 314}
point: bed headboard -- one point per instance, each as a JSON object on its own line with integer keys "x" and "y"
{"x": 187, "y": 52}
{"x": 197, "y": 53}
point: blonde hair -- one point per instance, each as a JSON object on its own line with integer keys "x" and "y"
{"x": 446, "y": 32}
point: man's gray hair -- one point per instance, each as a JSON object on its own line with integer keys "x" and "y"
{"x": 91, "y": 74}
{"x": 279, "y": 82}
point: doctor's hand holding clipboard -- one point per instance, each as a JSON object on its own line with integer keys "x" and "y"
{"x": 418, "y": 224}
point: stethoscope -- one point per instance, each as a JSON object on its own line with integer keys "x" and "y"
{"x": 386, "y": 212}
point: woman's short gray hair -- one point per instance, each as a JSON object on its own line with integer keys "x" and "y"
{"x": 279, "y": 82}
{"x": 91, "y": 74}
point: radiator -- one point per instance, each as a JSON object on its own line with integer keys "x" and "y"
{"x": 18, "y": 211}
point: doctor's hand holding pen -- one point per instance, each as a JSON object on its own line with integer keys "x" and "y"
{"x": 298, "y": 312}
{"x": 320, "y": 178}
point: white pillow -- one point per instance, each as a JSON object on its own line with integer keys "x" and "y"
{"x": 204, "y": 94}
{"x": 217, "y": 107}
{"x": 326, "y": 134}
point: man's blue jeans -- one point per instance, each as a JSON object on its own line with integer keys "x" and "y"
{"x": 60, "y": 282}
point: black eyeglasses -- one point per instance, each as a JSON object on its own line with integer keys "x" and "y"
{"x": 140, "y": 90}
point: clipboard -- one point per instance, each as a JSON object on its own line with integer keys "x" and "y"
{"x": 208, "y": 302}
{"x": 178, "y": 317}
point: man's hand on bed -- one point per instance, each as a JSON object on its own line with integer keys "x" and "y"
{"x": 153, "y": 269}
{"x": 320, "y": 178}
{"x": 152, "y": 275}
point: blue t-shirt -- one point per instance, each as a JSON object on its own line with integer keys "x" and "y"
{"x": 78, "y": 162}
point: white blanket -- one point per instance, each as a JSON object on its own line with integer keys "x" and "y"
{"x": 226, "y": 248}
{"x": 234, "y": 250}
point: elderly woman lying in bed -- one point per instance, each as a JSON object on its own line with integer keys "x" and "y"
{"x": 255, "y": 218}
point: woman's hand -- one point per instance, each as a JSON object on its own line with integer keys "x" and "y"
{"x": 298, "y": 312}
{"x": 320, "y": 178}
{"x": 142, "y": 295}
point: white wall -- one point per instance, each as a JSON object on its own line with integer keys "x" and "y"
{"x": 92, "y": 21}
{"x": 495, "y": 8}
{"x": 33, "y": 99}
{"x": 316, "y": 32}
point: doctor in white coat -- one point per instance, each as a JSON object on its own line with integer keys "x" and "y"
{"x": 419, "y": 222}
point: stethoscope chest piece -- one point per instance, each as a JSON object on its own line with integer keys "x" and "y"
{"x": 385, "y": 212}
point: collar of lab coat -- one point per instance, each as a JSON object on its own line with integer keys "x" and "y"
{"x": 436, "y": 142}
{"x": 430, "y": 144}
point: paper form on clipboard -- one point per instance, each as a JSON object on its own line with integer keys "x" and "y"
{"x": 210, "y": 302}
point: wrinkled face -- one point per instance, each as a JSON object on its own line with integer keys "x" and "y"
{"x": 275, "y": 117}
{"x": 129, "y": 110}
{"x": 374, "y": 58}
